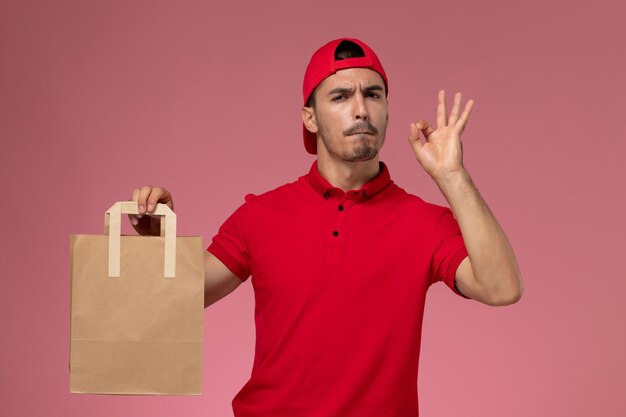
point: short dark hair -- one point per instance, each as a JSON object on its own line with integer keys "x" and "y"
{"x": 345, "y": 50}
{"x": 348, "y": 49}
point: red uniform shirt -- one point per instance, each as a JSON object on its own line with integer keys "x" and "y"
{"x": 340, "y": 280}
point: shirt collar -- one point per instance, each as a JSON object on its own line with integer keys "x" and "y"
{"x": 368, "y": 190}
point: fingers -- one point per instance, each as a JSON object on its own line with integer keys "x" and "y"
{"x": 465, "y": 116}
{"x": 147, "y": 198}
{"x": 159, "y": 195}
{"x": 454, "y": 119}
{"x": 414, "y": 130}
{"x": 456, "y": 108}
{"x": 140, "y": 195}
{"x": 414, "y": 133}
{"x": 134, "y": 220}
{"x": 419, "y": 126}
{"x": 142, "y": 201}
{"x": 442, "y": 113}
{"x": 425, "y": 127}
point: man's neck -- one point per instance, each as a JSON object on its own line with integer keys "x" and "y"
{"x": 347, "y": 175}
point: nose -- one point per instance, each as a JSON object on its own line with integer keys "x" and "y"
{"x": 360, "y": 107}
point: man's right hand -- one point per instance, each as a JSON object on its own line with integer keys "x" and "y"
{"x": 219, "y": 281}
{"x": 147, "y": 198}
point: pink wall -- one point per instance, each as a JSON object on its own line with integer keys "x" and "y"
{"x": 97, "y": 98}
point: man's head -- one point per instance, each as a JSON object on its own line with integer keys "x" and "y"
{"x": 345, "y": 100}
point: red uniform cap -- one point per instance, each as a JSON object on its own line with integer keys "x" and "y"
{"x": 323, "y": 64}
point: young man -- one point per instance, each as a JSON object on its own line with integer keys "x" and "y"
{"x": 342, "y": 257}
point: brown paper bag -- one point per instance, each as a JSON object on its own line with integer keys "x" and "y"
{"x": 137, "y": 308}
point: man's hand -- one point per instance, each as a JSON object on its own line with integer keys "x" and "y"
{"x": 219, "y": 281}
{"x": 147, "y": 198}
{"x": 490, "y": 274}
{"x": 441, "y": 154}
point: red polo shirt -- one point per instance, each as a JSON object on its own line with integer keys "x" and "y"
{"x": 340, "y": 280}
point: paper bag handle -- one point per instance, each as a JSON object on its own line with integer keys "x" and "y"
{"x": 113, "y": 228}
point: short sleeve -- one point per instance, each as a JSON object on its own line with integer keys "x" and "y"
{"x": 229, "y": 244}
{"x": 449, "y": 250}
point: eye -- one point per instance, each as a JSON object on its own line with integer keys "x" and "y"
{"x": 372, "y": 94}
{"x": 339, "y": 97}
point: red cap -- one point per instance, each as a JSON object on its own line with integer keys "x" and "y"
{"x": 323, "y": 64}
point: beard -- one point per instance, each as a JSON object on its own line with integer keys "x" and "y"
{"x": 363, "y": 145}
{"x": 362, "y": 151}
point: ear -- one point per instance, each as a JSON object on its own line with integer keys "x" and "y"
{"x": 308, "y": 118}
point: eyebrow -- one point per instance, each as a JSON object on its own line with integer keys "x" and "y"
{"x": 375, "y": 87}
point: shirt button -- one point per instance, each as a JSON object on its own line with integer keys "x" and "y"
{"x": 340, "y": 208}
{"x": 335, "y": 233}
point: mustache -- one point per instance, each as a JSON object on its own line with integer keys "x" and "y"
{"x": 361, "y": 127}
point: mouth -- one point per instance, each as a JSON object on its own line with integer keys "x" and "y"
{"x": 361, "y": 128}
{"x": 360, "y": 133}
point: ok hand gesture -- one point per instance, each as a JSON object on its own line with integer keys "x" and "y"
{"x": 441, "y": 153}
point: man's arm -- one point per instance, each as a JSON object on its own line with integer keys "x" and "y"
{"x": 219, "y": 281}
{"x": 490, "y": 274}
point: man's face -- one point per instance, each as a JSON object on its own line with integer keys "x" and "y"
{"x": 350, "y": 114}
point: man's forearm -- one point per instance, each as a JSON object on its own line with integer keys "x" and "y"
{"x": 491, "y": 256}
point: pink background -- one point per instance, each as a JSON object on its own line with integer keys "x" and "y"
{"x": 97, "y": 98}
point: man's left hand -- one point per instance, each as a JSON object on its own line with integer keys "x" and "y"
{"x": 441, "y": 153}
